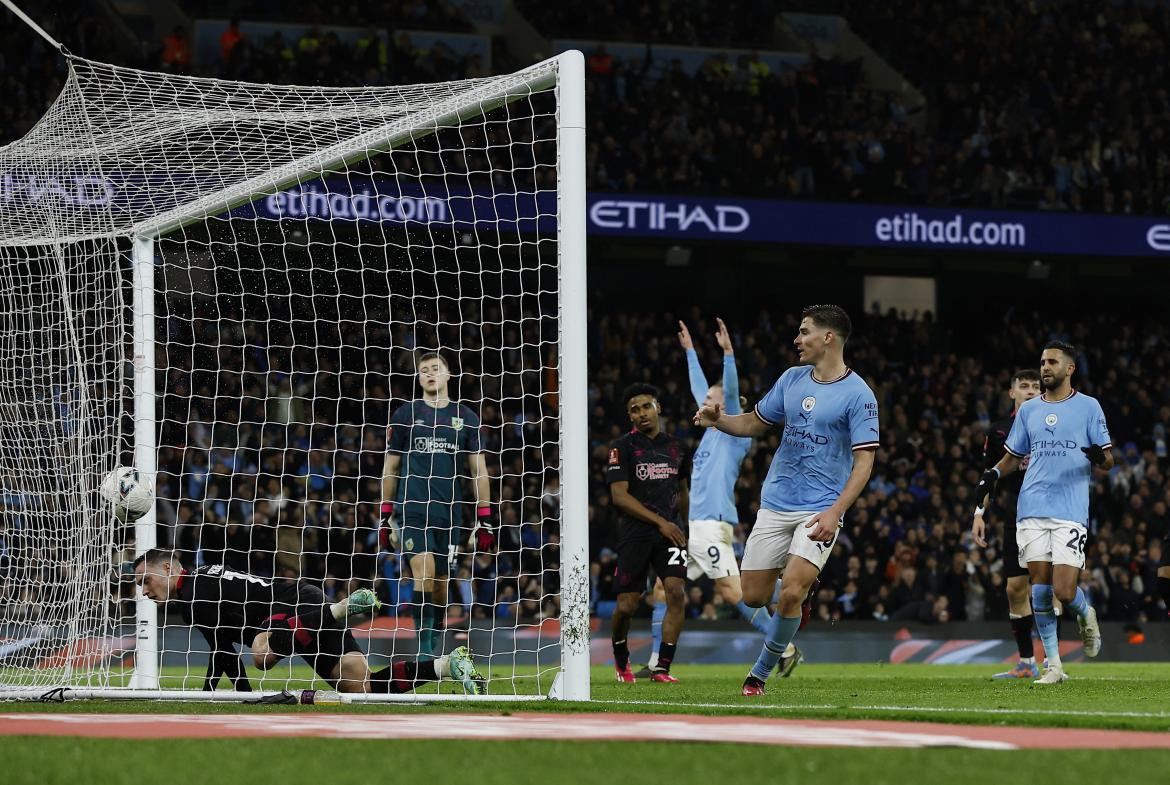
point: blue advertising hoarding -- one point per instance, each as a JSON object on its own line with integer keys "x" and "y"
{"x": 696, "y": 218}
{"x": 674, "y": 218}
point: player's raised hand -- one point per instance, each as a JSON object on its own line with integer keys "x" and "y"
{"x": 824, "y": 526}
{"x": 672, "y": 532}
{"x": 707, "y": 415}
{"x": 684, "y": 336}
{"x": 723, "y": 337}
{"x": 979, "y": 531}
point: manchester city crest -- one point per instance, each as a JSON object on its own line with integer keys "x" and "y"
{"x": 1050, "y": 420}
{"x": 808, "y": 403}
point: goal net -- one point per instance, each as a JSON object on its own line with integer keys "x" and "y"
{"x": 229, "y": 286}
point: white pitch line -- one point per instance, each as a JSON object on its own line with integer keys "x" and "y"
{"x": 936, "y": 709}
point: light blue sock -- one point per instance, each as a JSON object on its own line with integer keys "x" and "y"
{"x": 757, "y": 617}
{"x": 656, "y": 627}
{"x": 1080, "y": 604}
{"x": 780, "y": 632}
{"x": 1046, "y": 622}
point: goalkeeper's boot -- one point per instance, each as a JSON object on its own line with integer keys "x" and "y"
{"x": 662, "y": 676}
{"x": 362, "y": 602}
{"x": 1090, "y": 633}
{"x": 1052, "y": 675}
{"x": 643, "y": 673}
{"x": 463, "y": 670}
{"x": 1022, "y": 670}
{"x": 624, "y": 675}
{"x": 788, "y": 661}
{"x": 752, "y": 686}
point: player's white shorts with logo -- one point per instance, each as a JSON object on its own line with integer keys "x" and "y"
{"x": 779, "y": 534}
{"x": 1051, "y": 540}
{"x": 709, "y": 550}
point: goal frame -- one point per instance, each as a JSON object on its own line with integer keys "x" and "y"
{"x": 571, "y": 681}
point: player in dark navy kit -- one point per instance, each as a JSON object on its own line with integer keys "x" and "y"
{"x": 1025, "y": 386}
{"x": 432, "y": 446}
{"x": 649, "y": 488}
{"x": 278, "y": 618}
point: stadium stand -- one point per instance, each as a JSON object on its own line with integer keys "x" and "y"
{"x": 1087, "y": 133}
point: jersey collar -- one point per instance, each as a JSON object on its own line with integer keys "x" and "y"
{"x": 1062, "y": 400}
{"x": 812, "y": 375}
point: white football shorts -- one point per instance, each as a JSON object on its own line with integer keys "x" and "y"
{"x": 709, "y": 550}
{"x": 1051, "y": 540}
{"x": 777, "y": 535}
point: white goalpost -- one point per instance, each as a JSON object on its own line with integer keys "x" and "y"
{"x": 228, "y": 286}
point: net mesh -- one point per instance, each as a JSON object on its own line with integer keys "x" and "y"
{"x": 312, "y": 243}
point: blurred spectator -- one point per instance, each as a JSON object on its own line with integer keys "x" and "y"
{"x": 176, "y": 52}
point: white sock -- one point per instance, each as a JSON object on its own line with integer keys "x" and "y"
{"x": 442, "y": 667}
{"x": 653, "y": 661}
{"x": 338, "y": 609}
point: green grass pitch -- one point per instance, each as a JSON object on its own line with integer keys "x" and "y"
{"x": 1129, "y": 696}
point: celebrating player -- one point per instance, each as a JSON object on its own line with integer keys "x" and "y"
{"x": 714, "y": 470}
{"x": 826, "y": 453}
{"x": 1025, "y": 386}
{"x": 280, "y": 618}
{"x": 650, "y": 490}
{"x": 1063, "y": 435}
{"x": 433, "y": 434}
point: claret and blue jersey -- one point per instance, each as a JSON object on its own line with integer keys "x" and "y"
{"x": 1053, "y": 433}
{"x": 824, "y": 422}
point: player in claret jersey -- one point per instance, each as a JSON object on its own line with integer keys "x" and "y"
{"x": 649, "y": 488}
{"x": 830, "y": 421}
{"x": 278, "y": 618}
{"x": 1025, "y": 386}
{"x": 1063, "y": 435}
{"x": 427, "y": 444}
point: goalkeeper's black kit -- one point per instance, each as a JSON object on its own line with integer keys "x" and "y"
{"x": 230, "y": 608}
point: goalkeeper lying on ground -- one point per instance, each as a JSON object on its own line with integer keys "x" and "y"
{"x": 282, "y": 618}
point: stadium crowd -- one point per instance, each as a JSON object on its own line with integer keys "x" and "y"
{"x": 1084, "y": 132}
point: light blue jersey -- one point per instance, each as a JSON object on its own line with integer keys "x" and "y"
{"x": 1052, "y": 434}
{"x": 715, "y": 466}
{"x": 824, "y": 422}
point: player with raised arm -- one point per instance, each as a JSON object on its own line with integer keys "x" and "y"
{"x": 427, "y": 440}
{"x": 1025, "y": 386}
{"x": 649, "y": 489}
{"x": 714, "y": 471}
{"x": 279, "y": 618}
{"x": 1063, "y": 435}
{"x": 830, "y": 421}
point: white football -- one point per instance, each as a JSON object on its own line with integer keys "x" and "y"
{"x": 131, "y": 494}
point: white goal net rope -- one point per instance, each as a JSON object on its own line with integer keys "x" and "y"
{"x": 310, "y": 244}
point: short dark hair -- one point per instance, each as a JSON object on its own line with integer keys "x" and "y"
{"x": 422, "y": 358}
{"x": 1065, "y": 347}
{"x": 832, "y": 317}
{"x": 1026, "y": 375}
{"x": 636, "y": 389}
{"x": 156, "y": 556}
